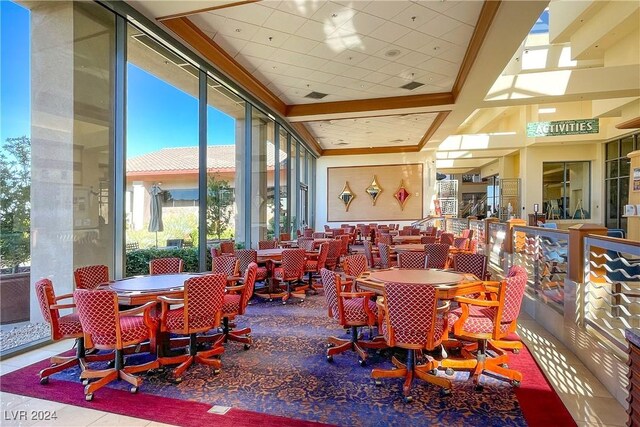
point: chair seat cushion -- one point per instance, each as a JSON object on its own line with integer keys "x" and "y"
{"x": 70, "y": 324}
{"x": 311, "y": 265}
{"x": 133, "y": 329}
{"x": 175, "y": 321}
{"x": 354, "y": 310}
{"x": 279, "y": 274}
{"x": 231, "y": 304}
{"x": 261, "y": 274}
{"x": 416, "y": 337}
{"x": 480, "y": 320}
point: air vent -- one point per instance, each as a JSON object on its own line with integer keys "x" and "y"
{"x": 315, "y": 95}
{"x": 412, "y": 85}
{"x": 341, "y": 143}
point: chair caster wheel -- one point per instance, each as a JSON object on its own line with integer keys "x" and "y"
{"x": 516, "y": 350}
{"x": 408, "y": 399}
{"x": 284, "y": 303}
{"x": 433, "y": 372}
{"x": 449, "y": 371}
{"x": 362, "y": 362}
{"x": 85, "y": 382}
{"x": 216, "y": 371}
{"x": 177, "y": 380}
{"x": 330, "y": 345}
{"x": 44, "y": 380}
{"x": 478, "y": 388}
{"x": 111, "y": 364}
{"x": 247, "y": 346}
{"x": 133, "y": 390}
{"x": 88, "y": 397}
{"x": 160, "y": 370}
{"x": 329, "y": 359}
{"x": 515, "y": 383}
{"x": 378, "y": 383}
{"x": 505, "y": 366}
{"x": 445, "y": 392}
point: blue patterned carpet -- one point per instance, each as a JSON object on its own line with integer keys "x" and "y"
{"x": 286, "y": 373}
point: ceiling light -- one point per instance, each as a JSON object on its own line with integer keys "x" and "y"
{"x": 546, "y": 110}
{"x": 391, "y": 53}
{"x": 412, "y": 85}
{"x": 436, "y": 48}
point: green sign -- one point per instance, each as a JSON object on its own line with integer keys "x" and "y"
{"x": 563, "y": 127}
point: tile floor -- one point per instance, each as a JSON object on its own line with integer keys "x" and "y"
{"x": 586, "y": 398}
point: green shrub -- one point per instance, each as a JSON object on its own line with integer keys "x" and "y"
{"x": 137, "y": 262}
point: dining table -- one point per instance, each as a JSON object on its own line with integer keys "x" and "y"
{"x": 448, "y": 284}
{"x": 408, "y": 247}
{"x": 406, "y": 239}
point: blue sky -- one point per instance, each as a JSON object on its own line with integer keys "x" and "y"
{"x": 158, "y": 115}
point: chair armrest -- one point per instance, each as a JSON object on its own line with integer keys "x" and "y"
{"x": 61, "y": 297}
{"x": 167, "y": 300}
{"x": 137, "y": 310}
{"x": 235, "y": 288}
{"x": 478, "y": 302}
{"x": 444, "y": 308}
{"x": 61, "y": 306}
{"x": 357, "y": 294}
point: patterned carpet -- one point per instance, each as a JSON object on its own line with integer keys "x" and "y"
{"x": 285, "y": 373}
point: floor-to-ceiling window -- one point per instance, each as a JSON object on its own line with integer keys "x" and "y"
{"x": 57, "y": 147}
{"x": 617, "y": 179}
{"x": 262, "y": 157}
{"x": 283, "y": 160}
{"x": 566, "y": 190}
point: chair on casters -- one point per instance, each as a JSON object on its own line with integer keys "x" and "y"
{"x": 201, "y": 311}
{"x": 267, "y": 244}
{"x": 62, "y": 327}
{"x": 291, "y": 271}
{"x": 107, "y": 328}
{"x": 165, "y": 266}
{"x": 485, "y": 323}
{"x": 373, "y": 260}
{"x": 437, "y": 255}
{"x": 386, "y": 261}
{"x": 313, "y": 266}
{"x": 91, "y": 276}
{"x": 353, "y": 310}
{"x": 333, "y": 256}
{"x": 246, "y": 257}
{"x": 353, "y": 266}
{"x": 412, "y": 260}
{"x": 410, "y": 318}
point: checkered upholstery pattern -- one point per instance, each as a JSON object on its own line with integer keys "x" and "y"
{"x": 437, "y": 255}
{"x": 91, "y": 276}
{"x": 292, "y": 267}
{"x": 61, "y": 327}
{"x": 368, "y": 252}
{"x": 306, "y": 243}
{"x": 415, "y": 231}
{"x": 228, "y": 247}
{"x": 228, "y": 265}
{"x": 344, "y": 244}
{"x": 413, "y": 260}
{"x": 246, "y": 257}
{"x": 267, "y": 244}
{"x": 385, "y": 238}
{"x": 333, "y": 257}
{"x": 427, "y": 240}
{"x": 475, "y": 264}
{"x": 473, "y": 246}
{"x": 516, "y": 283}
{"x": 467, "y": 233}
{"x": 215, "y": 252}
{"x": 354, "y": 265}
{"x": 385, "y": 256}
{"x": 308, "y": 232}
{"x": 315, "y": 265}
{"x": 165, "y": 266}
{"x": 353, "y": 311}
{"x": 250, "y": 276}
{"x": 404, "y": 232}
{"x": 410, "y": 315}
{"x": 284, "y": 237}
{"x": 447, "y": 238}
{"x": 461, "y": 242}
{"x": 318, "y": 235}
{"x": 344, "y": 310}
{"x": 431, "y": 231}
{"x": 231, "y": 304}
{"x": 204, "y": 296}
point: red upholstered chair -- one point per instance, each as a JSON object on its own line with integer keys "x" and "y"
{"x": 410, "y": 318}
{"x": 228, "y": 247}
{"x": 385, "y": 256}
{"x": 486, "y": 323}
{"x": 228, "y": 265}
{"x": 333, "y": 257}
{"x": 415, "y": 231}
{"x": 313, "y": 266}
{"x": 431, "y": 231}
{"x": 385, "y": 238}
{"x": 107, "y": 328}
{"x": 318, "y": 235}
{"x": 246, "y": 257}
{"x": 461, "y": 243}
{"x": 427, "y": 240}
{"x": 234, "y": 304}
{"x": 90, "y": 277}
{"x": 353, "y": 266}
{"x": 62, "y": 328}
{"x": 372, "y": 258}
{"x": 413, "y": 260}
{"x": 467, "y": 233}
{"x": 291, "y": 271}
{"x": 344, "y": 241}
{"x": 404, "y": 232}
{"x": 284, "y": 237}
{"x": 353, "y": 310}
{"x": 267, "y": 244}
{"x": 306, "y": 243}
{"x": 473, "y": 246}
{"x": 475, "y": 264}
{"x": 447, "y": 238}
{"x": 437, "y": 255}
{"x": 338, "y": 232}
{"x": 308, "y": 232}
{"x": 165, "y": 266}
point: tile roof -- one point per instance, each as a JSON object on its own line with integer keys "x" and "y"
{"x": 186, "y": 158}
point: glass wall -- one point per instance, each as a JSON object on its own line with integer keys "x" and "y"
{"x": 294, "y": 185}
{"x": 566, "y": 190}
{"x": 262, "y": 162}
{"x": 617, "y": 179}
{"x": 284, "y": 192}
{"x": 57, "y": 214}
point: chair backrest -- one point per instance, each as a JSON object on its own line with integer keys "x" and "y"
{"x": 415, "y": 231}
{"x": 98, "y": 313}
{"x": 46, "y": 298}
{"x": 176, "y": 243}
{"x": 427, "y": 239}
{"x": 410, "y": 314}
{"x": 473, "y": 246}
{"x": 404, "y": 233}
{"x": 412, "y": 260}
{"x": 461, "y": 243}
{"x": 368, "y": 251}
{"x": 91, "y": 276}
{"x": 227, "y": 265}
{"x": 203, "y": 299}
{"x": 330, "y": 283}
{"x": 249, "y": 283}
{"x": 475, "y": 264}
{"x": 284, "y": 237}
{"x": 306, "y": 243}
{"x": 354, "y": 265}
{"x": 318, "y": 235}
{"x": 431, "y": 231}
{"x": 166, "y": 265}
{"x": 308, "y": 232}
{"x": 385, "y": 255}
{"x": 385, "y": 238}
{"x": 468, "y": 233}
{"x": 335, "y": 246}
{"x": 322, "y": 255}
{"x": 447, "y": 238}
{"x": 437, "y": 255}
{"x": 344, "y": 244}
{"x": 293, "y": 263}
{"x": 246, "y": 257}
{"x": 267, "y": 244}
{"x": 228, "y": 247}
{"x": 337, "y": 231}
{"x": 512, "y": 294}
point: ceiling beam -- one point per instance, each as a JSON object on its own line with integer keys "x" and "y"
{"x": 372, "y": 150}
{"x": 629, "y": 124}
{"x": 433, "y": 128}
{"x": 206, "y": 9}
{"x": 308, "y": 137}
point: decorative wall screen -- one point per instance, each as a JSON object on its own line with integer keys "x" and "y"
{"x": 388, "y": 178}
{"x": 448, "y": 196}
{"x": 510, "y": 195}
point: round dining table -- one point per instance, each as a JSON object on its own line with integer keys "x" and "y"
{"x": 449, "y": 284}
{"x": 406, "y": 239}
{"x": 138, "y": 290}
{"x": 408, "y": 247}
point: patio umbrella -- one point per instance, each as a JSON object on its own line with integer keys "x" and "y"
{"x": 155, "y": 221}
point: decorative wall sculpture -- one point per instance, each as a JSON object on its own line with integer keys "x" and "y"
{"x": 402, "y": 195}
{"x": 374, "y": 190}
{"x": 346, "y": 196}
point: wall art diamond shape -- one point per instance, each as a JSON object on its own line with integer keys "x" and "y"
{"x": 374, "y": 190}
{"x": 346, "y": 196}
{"x": 402, "y": 195}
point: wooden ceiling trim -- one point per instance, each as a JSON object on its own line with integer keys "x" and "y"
{"x": 488, "y": 12}
{"x": 374, "y": 104}
{"x": 308, "y": 137}
{"x": 372, "y": 150}
{"x": 629, "y": 124}
{"x": 206, "y": 9}
{"x": 437, "y": 122}
{"x": 202, "y": 43}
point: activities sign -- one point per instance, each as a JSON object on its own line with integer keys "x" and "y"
{"x": 563, "y": 127}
